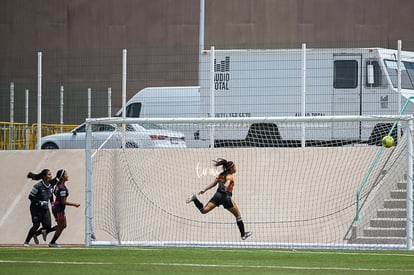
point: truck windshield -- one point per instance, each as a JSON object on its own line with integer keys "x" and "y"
{"x": 407, "y": 73}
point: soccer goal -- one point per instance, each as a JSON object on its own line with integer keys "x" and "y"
{"x": 301, "y": 182}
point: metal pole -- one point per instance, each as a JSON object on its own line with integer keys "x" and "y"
{"x": 61, "y": 108}
{"x": 212, "y": 90}
{"x": 26, "y": 118}
{"x": 11, "y": 102}
{"x": 11, "y": 133}
{"x": 124, "y": 76}
{"x": 39, "y": 99}
{"x": 303, "y": 97}
{"x": 89, "y": 102}
{"x": 399, "y": 86}
{"x": 88, "y": 184}
{"x": 201, "y": 38}
{"x": 109, "y": 101}
{"x": 409, "y": 185}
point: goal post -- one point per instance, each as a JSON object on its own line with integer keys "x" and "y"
{"x": 296, "y": 183}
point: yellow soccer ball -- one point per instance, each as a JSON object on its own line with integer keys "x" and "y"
{"x": 387, "y": 141}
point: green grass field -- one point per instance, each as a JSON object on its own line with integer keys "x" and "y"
{"x": 153, "y": 260}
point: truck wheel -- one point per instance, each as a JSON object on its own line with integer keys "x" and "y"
{"x": 131, "y": 145}
{"x": 380, "y": 130}
{"x": 49, "y": 145}
{"x": 264, "y": 135}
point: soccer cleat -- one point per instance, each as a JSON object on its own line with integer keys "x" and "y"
{"x": 191, "y": 198}
{"x": 26, "y": 245}
{"x": 35, "y": 239}
{"x": 54, "y": 245}
{"x": 246, "y": 235}
{"x": 44, "y": 234}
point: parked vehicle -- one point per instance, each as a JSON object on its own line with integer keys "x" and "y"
{"x": 108, "y": 136}
{"x": 164, "y": 102}
{"x": 261, "y": 83}
{"x": 168, "y": 102}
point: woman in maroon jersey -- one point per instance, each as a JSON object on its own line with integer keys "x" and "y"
{"x": 61, "y": 193}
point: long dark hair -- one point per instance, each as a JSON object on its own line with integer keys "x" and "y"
{"x": 226, "y": 164}
{"x": 38, "y": 176}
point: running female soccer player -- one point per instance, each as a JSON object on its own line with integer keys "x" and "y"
{"x": 40, "y": 195}
{"x": 223, "y": 195}
{"x": 58, "y": 208}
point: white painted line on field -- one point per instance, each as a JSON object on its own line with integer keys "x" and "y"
{"x": 330, "y": 252}
{"x": 217, "y": 265}
{"x": 44, "y": 262}
{"x": 282, "y": 267}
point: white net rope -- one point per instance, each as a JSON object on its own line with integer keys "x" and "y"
{"x": 300, "y": 196}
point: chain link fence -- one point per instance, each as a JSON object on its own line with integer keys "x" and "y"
{"x": 69, "y": 75}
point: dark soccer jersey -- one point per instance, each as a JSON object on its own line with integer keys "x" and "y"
{"x": 61, "y": 191}
{"x": 41, "y": 192}
{"x": 221, "y": 182}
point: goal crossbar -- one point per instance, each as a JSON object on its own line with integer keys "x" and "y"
{"x": 219, "y": 120}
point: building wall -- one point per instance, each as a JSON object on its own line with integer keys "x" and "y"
{"x": 110, "y": 23}
{"x": 162, "y": 37}
{"x": 285, "y": 195}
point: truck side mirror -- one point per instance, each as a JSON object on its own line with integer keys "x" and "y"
{"x": 370, "y": 74}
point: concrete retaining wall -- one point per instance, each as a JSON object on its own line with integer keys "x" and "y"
{"x": 295, "y": 185}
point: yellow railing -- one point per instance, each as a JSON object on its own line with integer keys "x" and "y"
{"x": 19, "y": 136}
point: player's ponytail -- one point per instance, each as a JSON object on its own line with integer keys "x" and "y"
{"x": 38, "y": 176}
{"x": 227, "y": 165}
{"x": 219, "y": 162}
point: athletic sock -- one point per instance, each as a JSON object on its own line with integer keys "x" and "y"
{"x": 240, "y": 225}
{"x": 32, "y": 231}
{"x": 53, "y": 239}
{"x": 198, "y": 204}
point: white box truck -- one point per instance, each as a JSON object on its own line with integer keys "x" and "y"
{"x": 168, "y": 102}
{"x": 260, "y": 83}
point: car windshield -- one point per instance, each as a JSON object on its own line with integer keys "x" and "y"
{"x": 407, "y": 73}
{"x": 150, "y": 126}
{"x": 80, "y": 129}
{"x": 111, "y": 128}
{"x": 95, "y": 128}
{"x": 146, "y": 126}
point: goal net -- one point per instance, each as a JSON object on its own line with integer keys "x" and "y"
{"x": 321, "y": 182}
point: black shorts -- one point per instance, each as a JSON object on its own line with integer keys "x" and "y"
{"x": 222, "y": 198}
{"x": 41, "y": 215}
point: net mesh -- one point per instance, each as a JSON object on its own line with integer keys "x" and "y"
{"x": 287, "y": 195}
